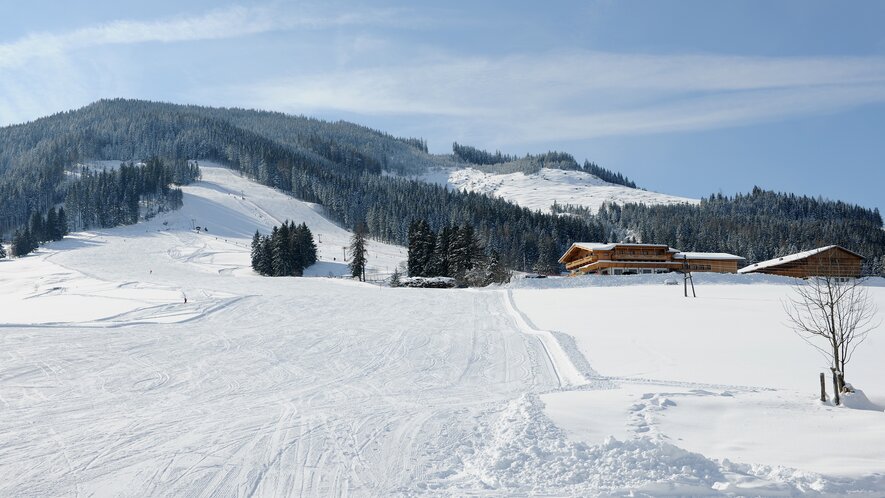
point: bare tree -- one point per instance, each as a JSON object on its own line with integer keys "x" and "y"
{"x": 834, "y": 315}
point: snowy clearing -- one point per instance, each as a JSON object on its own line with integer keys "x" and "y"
{"x": 539, "y": 190}
{"x": 721, "y": 375}
{"x": 110, "y": 384}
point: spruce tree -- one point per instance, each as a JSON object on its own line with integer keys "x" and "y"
{"x": 2, "y": 250}
{"x": 441, "y": 252}
{"x": 256, "y": 252}
{"x": 37, "y": 231}
{"x": 50, "y": 231}
{"x": 548, "y": 259}
{"x": 22, "y": 243}
{"x": 61, "y": 224}
{"x": 308, "y": 247}
{"x": 265, "y": 265}
{"x": 358, "y": 253}
{"x": 465, "y": 251}
{"x": 497, "y": 272}
{"x": 282, "y": 257}
{"x": 421, "y": 249}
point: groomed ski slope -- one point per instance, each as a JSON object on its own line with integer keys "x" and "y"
{"x": 110, "y": 384}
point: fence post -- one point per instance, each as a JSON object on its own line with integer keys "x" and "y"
{"x": 823, "y": 388}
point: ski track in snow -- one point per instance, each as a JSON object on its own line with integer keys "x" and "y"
{"x": 303, "y": 387}
{"x": 284, "y": 387}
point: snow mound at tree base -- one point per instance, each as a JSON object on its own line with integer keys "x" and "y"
{"x": 857, "y": 400}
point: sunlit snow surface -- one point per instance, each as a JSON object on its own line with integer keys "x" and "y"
{"x": 539, "y": 190}
{"x": 110, "y": 384}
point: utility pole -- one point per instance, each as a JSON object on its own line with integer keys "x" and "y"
{"x": 686, "y": 277}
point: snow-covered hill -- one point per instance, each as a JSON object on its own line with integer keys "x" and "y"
{"x": 112, "y": 384}
{"x": 539, "y": 190}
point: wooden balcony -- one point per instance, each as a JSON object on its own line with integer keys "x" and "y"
{"x": 580, "y": 262}
{"x": 620, "y": 256}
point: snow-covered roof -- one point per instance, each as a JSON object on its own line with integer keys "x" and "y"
{"x": 600, "y": 246}
{"x": 790, "y": 258}
{"x": 724, "y": 256}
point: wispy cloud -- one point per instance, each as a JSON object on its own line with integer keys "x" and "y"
{"x": 505, "y": 100}
{"x": 44, "y": 72}
{"x": 230, "y": 22}
{"x": 581, "y": 95}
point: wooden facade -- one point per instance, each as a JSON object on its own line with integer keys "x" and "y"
{"x": 714, "y": 262}
{"x": 628, "y": 259}
{"x": 829, "y": 261}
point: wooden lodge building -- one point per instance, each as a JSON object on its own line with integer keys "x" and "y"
{"x": 829, "y": 261}
{"x": 630, "y": 259}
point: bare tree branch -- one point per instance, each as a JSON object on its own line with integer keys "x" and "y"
{"x": 832, "y": 314}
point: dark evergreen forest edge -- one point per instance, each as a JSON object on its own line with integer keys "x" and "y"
{"x": 339, "y": 165}
{"x": 109, "y": 198}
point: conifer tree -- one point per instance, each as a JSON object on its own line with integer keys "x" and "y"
{"x": 256, "y": 252}
{"x": 282, "y": 257}
{"x": 442, "y": 251}
{"x": 421, "y": 249}
{"x": 358, "y": 253}
{"x": 497, "y": 272}
{"x": 50, "y": 225}
{"x": 465, "y": 251}
{"x": 37, "y": 231}
{"x": 23, "y": 243}
{"x": 307, "y": 249}
{"x": 61, "y": 228}
{"x": 265, "y": 265}
{"x": 287, "y": 251}
{"x": 2, "y": 250}
{"x": 548, "y": 260}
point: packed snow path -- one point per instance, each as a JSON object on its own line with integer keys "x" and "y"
{"x": 284, "y": 394}
{"x": 307, "y": 387}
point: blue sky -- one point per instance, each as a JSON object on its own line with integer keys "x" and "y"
{"x": 685, "y": 97}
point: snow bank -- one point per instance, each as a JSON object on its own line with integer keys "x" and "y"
{"x": 428, "y": 282}
{"x": 858, "y": 400}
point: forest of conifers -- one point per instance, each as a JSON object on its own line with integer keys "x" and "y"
{"x": 343, "y": 166}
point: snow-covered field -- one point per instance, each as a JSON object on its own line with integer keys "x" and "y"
{"x": 539, "y": 190}
{"x": 721, "y": 375}
{"x": 110, "y": 384}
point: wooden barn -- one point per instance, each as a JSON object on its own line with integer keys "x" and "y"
{"x": 630, "y": 259}
{"x": 829, "y": 261}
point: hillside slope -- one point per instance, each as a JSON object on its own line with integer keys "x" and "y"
{"x": 112, "y": 383}
{"x": 540, "y": 190}
{"x": 338, "y": 165}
